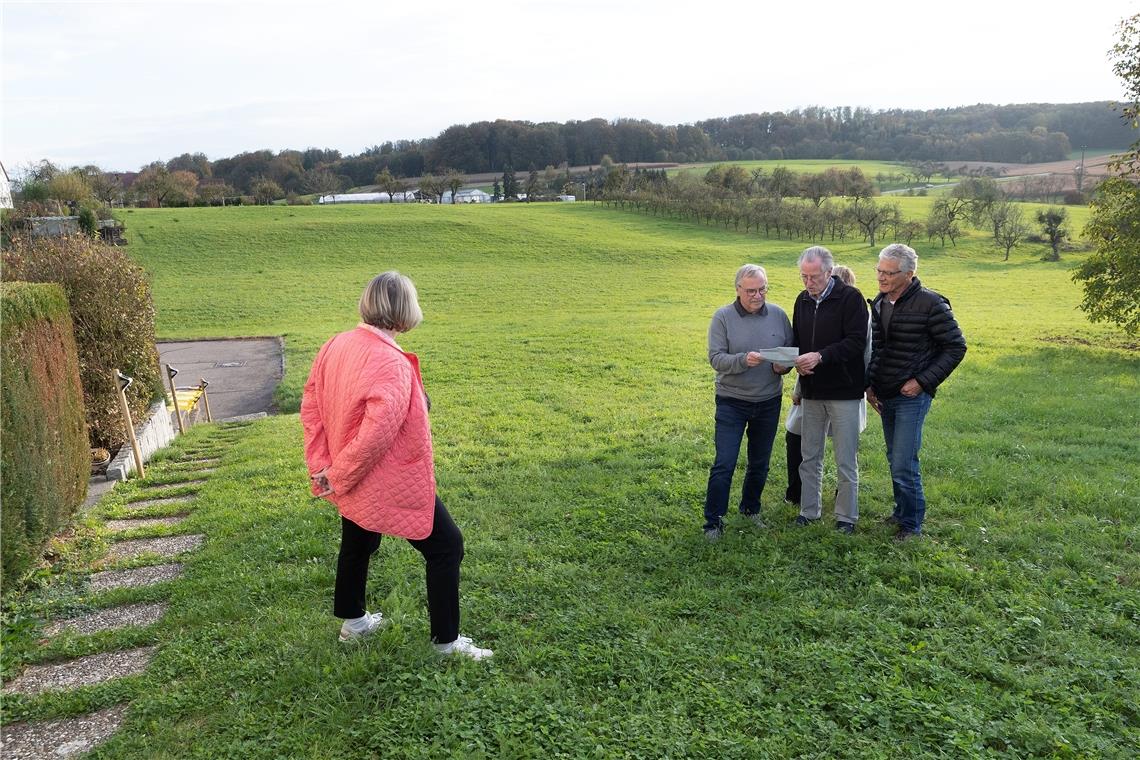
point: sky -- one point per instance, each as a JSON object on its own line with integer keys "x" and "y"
{"x": 121, "y": 84}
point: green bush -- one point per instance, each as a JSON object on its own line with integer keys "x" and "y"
{"x": 113, "y": 313}
{"x": 88, "y": 222}
{"x": 44, "y": 457}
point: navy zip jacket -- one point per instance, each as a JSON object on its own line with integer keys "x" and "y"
{"x": 837, "y": 329}
{"x": 922, "y": 341}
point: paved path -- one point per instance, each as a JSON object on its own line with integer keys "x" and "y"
{"x": 242, "y": 372}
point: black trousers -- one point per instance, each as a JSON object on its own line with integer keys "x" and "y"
{"x": 442, "y": 552}
{"x": 792, "y": 444}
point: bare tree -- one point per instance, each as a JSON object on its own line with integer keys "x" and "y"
{"x": 1008, "y": 224}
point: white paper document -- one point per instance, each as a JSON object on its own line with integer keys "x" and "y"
{"x": 785, "y": 355}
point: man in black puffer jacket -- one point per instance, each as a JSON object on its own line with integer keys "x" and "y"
{"x": 915, "y": 345}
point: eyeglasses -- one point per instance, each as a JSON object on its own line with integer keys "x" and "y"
{"x": 754, "y": 291}
{"x": 885, "y": 273}
{"x": 815, "y": 277}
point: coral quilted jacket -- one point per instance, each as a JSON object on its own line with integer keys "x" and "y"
{"x": 365, "y": 418}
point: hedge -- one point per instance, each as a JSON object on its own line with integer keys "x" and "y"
{"x": 113, "y": 314}
{"x": 44, "y": 456}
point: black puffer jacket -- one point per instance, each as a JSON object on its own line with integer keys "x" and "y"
{"x": 923, "y": 341}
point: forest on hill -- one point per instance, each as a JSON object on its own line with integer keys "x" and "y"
{"x": 1025, "y": 133}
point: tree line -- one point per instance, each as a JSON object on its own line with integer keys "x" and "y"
{"x": 834, "y": 205}
{"x": 1015, "y": 134}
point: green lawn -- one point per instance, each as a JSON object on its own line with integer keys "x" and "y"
{"x": 564, "y": 351}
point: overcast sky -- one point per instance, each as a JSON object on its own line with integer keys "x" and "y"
{"x": 120, "y": 84}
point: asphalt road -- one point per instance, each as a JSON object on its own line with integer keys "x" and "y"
{"x": 242, "y": 372}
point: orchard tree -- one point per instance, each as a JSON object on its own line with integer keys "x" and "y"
{"x": 1125, "y": 56}
{"x": 215, "y": 193}
{"x": 532, "y": 184}
{"x": 453, "y": 180}
{"x": 433, "y": 186}
{"x": 69, "y": 187}
{"x": 1008, "y": 225}
{"x": 871, "y": 216}
{"x": 265, "y": 191}
{"x": 389, "y": 184}
{"x": 1052, "y": 221}
{"x": 510, "y": 184}
{"x": 1111, "y": 275}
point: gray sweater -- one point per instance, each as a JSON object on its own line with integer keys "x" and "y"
{"x": 732, "y": 334}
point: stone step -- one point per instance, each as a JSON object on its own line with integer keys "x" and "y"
{"x": 156, "y": 489}
{"x": 167, "y": 501}
{"x": 143, "y": 522}
{"x": 63, "y": 737}
{"x": 135, "y": 577}
{"x": 109, "y": 619}
{"x": 166, "y": 546}
{"x": 82, "y": 671}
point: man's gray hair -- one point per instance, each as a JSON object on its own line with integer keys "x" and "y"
{"x": 750, "y": 270}
{"x": 903, "y": 254}
{"x": 820, "y": 254}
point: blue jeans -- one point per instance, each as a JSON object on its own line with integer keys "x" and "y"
{"x": 733, "y": 418}
{"x": 902, "y": 430}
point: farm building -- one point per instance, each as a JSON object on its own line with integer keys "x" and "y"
{"x": 472, "y": 195}
{"x": 404, "y": 197}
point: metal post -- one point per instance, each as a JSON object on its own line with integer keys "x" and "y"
{"x": 206, "y": 399}
{"x": 1081, "y": 178}
{"x": 170, "y": 373}
{"x": 122, "y": 382}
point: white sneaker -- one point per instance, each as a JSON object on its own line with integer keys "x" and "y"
{"x": 361, "y": 626}
{"x": 464, "y": 646}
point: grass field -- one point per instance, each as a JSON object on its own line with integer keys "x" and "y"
{"x": 564, "y": 351}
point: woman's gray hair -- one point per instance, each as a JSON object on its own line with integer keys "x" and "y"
{"x": 903, "y": 254}
{"x": 820, "y": 254}
{"x": 750, "y": 270}
{"x": 390, "y": 302}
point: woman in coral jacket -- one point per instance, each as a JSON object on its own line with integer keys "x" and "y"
{"x": 368, "y": 449}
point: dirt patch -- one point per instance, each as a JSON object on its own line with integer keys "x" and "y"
{"x": 1122, "y": 344}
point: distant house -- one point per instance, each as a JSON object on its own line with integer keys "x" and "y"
{"x": 5, "y": 189}
{"x": 473, "y": 195}
{"x": 408, "y": 196}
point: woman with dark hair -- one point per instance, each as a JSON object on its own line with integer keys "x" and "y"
{"x": 368, "y": 449}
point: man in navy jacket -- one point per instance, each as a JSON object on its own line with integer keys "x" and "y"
{"x": 830, "y": 326}
{"x": 916, "y": 343}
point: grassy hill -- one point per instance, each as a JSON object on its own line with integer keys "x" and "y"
{"x": 564, "y": 351}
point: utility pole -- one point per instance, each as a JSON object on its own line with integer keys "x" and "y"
{"x": 1081, "y": 172}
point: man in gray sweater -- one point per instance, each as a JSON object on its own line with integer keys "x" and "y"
{"x": 749, "y": 391}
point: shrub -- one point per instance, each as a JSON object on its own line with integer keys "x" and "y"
{"x": 88, "y": 222}
{"x": 113, "y": 314}
{"x": 44, "y": 459}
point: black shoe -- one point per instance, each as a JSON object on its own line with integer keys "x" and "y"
{"x": 906, "y": 534}
{"x": 801, "y": 521}
{"x": 892, "y": 520}
{"x": 845, "y": 527}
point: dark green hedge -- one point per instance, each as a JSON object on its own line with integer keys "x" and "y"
{"x": 113, "y": 314}
{"x": 44, "y": 457}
